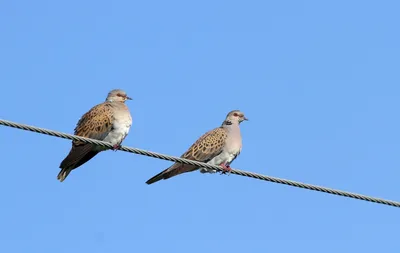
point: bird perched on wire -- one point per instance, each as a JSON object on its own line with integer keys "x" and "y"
{"x": 219, "y": 146}
{"x": 109, "y": 121}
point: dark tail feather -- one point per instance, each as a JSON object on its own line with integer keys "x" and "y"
{"x": 63, "y": 174}
{"x": 76, "y": 157}
{"x": 172, "y": 171}
{"x": 157, "y": 177}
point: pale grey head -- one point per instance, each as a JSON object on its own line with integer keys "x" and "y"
{"x": 233, "y": 117}
{"x": 117, "y": 95}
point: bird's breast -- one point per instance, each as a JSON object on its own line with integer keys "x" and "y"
{"x": 120, "y": 129}
{"x": 123, "y": 123}
{"x": 233, "y": 143}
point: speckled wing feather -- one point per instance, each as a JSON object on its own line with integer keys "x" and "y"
{"x": 207, "y": 146}
{"x": 203, "y": 150}
{"x": 95, "y": 124}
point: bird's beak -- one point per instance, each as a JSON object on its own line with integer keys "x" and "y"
{"x": 244, "y": 118}
{"x": 128, "y": 98}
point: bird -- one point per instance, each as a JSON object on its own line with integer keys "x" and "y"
{"x": 219, "y": 146}
{"x": 109, "y": 121}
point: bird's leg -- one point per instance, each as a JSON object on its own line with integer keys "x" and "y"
{"x": 116, "y": 147}
{"x": 226, "y": 168}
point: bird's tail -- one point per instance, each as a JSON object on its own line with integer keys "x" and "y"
{"x": 157, "y": 177}
{"x": 76, "y": 157}
{"x": 174, "y": 170}
{"x": 63, "y": 174}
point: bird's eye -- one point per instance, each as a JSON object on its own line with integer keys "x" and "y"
{"x": 235, "y": 114}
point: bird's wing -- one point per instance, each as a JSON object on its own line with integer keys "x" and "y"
{"x": 204, "y": 149}
{"x": 97, "y": 123}
{"x": 207, "y": 146}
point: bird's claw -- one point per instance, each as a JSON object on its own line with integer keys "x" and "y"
{"x": 225, "y": 169}
{"x": 116, "y": 147}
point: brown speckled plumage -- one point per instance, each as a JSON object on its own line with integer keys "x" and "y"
{"x": 98, "y": 123}
{"x": 95, "y": 123}
{"x": 203, "y": 150}
{"x": 207, "y": 147}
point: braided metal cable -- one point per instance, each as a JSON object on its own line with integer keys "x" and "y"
{"x": 200, "y": 164}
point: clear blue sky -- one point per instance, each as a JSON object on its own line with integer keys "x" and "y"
{"x": 319, "y": 81}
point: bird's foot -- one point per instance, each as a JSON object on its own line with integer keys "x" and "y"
{"x": 116, "y": 147}
{"x": 225, "y": 168}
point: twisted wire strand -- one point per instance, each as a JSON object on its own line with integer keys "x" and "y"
{"x": 200, "y": 164}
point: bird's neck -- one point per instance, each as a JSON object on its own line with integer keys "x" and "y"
{"x": 230, "y": 124}
{"x": 114, "y": 101}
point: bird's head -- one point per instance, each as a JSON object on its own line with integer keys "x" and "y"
{"x": 117, "y": 95}
{"x": 235, "y": 116}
